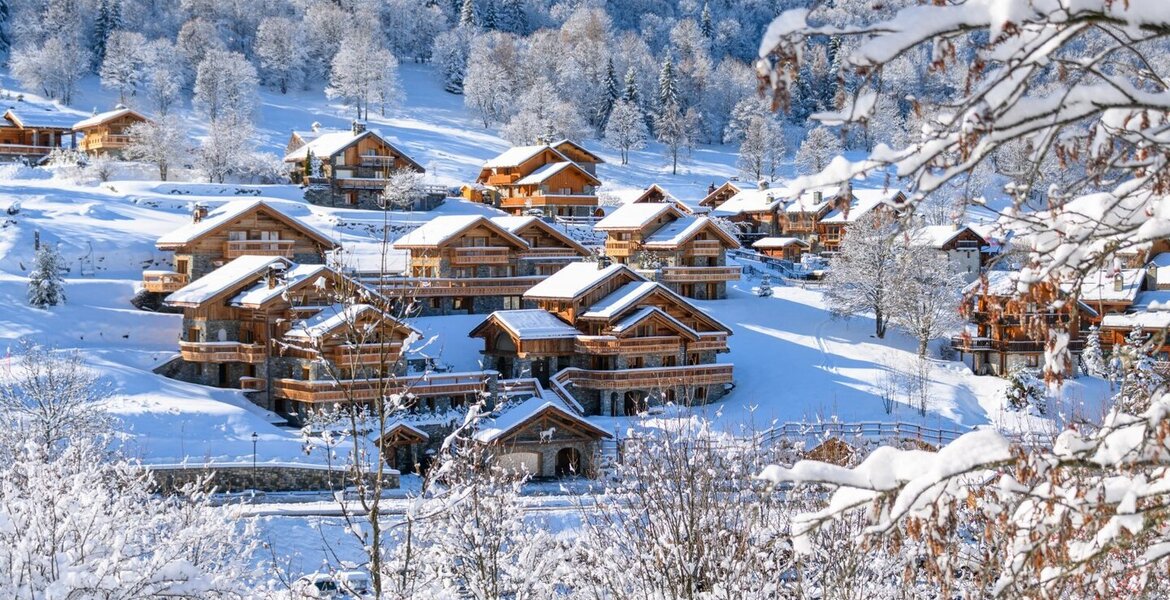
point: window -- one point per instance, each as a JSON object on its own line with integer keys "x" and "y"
{"x": 270, "y": 236}
{"x": 511, "y": 302}
{"x": 1032, "y": 360}
{"x": 237, "y": 236}
{"x": 193, "y": 334}
{"x": 635, "y": 362}
{"x": 461, "y": 304}
{"x": 351, "y": 198}
{"x": 669, "y": 360}
{"x": 181, "y": 265}
{"x": 436, "y": 303}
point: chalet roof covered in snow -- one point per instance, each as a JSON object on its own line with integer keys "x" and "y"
{"x": 236, "y": 273}
{"x": 646, "y": 312}
{"x": 621, "y": 299}
{"x": 936, "y": 236}
{"x": 326, "y": 143}
{"x": 575, "y": 279}
{"x": 518, "y": 155}
{"x": 533, "y": 324}
{"x": 226, "y": 213}
{"x": 261, "y": 293}
{"x": 331, "y": 318}
{"x": 779, "y": 242}
{"x": 864, "y": 201}
{"x": 593, "y": 158}
{"x": 1146, "y": 320}
{"x": 636, "y": 216}
{"x": 999, "y": 284}
{"x": 440, "y": 230}
{"x": 516, "y": 417}
{"x": 515, "y": 225}
{"x": 1101, "y": 286}
{"x": 542, "y": 174}
{"x": 1152, "y": 301}
{"x": 751, "y": 201}
{"x": 807, "y": 202}
{"x": 107, "y": 116}
{"x": 33, "y": 117}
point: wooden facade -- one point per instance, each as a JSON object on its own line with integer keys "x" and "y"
{"x": 616, "y": 342}
{"x": 786, "y": 248}
{"x": 540, "y": 179}
{"x": 718, "y": 195}
{"x": 32, "y": 134}
{"x": 108, "y": 132}
{"x": 348, "y": 167}
{"x": 686, "y": 253}
{"x": 237, "y": 229}
{"x": 657, "y": 194}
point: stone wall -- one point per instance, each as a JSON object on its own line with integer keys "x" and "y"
{"x": 266, "y": 477}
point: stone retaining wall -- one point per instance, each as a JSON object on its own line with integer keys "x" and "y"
{"x": 265, "y": 478}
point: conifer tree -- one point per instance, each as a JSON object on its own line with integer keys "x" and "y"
{"x": 467, "y": 17}
{"x": 5, "y": 36}
{"x": 1092, "y": 359}
{"x": 609, "y": 97}
{"x": 1139, "y": 377}
{"x": 45, "y": 285}
{"x": 705, "y": 24}
{"x": 667, "y": 86}
{"x": 631, "y": 92}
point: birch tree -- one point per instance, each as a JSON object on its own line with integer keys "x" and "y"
{"x": 162, "y": 143}
{"x": 364, "y": 72}
{"x": 865, "y": 275}
{"x": 928, "y": 290}
{"x": 626, "y": 129}
{"x": 125, "y": 60}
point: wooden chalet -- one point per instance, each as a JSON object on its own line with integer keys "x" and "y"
{"x": 686, "y": 253}
{"x": 275, "y": 328}
{"x": 786, "y": 248}
{"x": 468, "y": 264}
{"x": 1000, "y": 335}
{"x": 718, "y": 195}
{"x": 611, "y": 340}
{"x": 578, "y": 154}
{"x": 966, "y": 250}
{"x": 543, "y": 437}
{"x": 540, "y": 180}
{"x": 832, "y": 227}
{"x": 798, "y": 216}
{"x": 235, "y": 229}
{"x": 349, "y": 167}
{"x": 755, "y": 211}
{"x": 107, "y": 133}
{"x": 657, "y": 194}
{"x": 31, "y": 133}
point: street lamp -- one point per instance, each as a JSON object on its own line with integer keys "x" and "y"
{"x": 254, "y": 439}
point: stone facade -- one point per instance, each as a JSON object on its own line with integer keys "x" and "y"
{"x": 365, "y": 199}
{"x": 264, "y": 477}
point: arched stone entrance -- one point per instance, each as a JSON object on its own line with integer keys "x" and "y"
{"x": 568, "y": 462}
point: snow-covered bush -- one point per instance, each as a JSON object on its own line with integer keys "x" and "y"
{"x": 1026, "y": 391}
{"x": 45, "y": 284}
{"x": 1139, "y": 377}
{"x": 48, "y": 397}
{"x": 1092, "y": 358}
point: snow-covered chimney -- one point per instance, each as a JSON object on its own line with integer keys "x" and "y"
{"x": 1118, "y": 282}
{"x": 818, "y": 196}
{"x": 199, "y": 213}
{"x": 357, "y": 127}
{"x": 273, "y": 277}
{"x": 762, "y": 184}
{"x": 316, "y": 126}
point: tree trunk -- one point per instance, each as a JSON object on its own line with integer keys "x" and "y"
{"x": 922, "y": 343}
{"x": 674, "y": 163}
{"x": 879, "y": 321}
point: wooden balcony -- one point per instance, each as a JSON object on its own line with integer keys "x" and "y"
{"x": 647, "y": 378}
{"x": 365, "y": 390}
{"x": 24, "y": 150}
{"x": 163, "y": 282}
{"x": 253, "y": 384}
{"x": 982, "y": 344}
{"x": 237, "y": 248}
{"x": 480, "y": 286}
{"x": 705, "y": 248}
{"x": 104, "y": 142}
{"x": 222, "y": 352}
{"x": 620, "y": 247}
{"x": 548, "y": 253}
{"x": 481, "y": 255}
{"x": 698, "y": 274}
{"x": 540, "y": 200}
{"x": 608, "y": 345}
{"x": 713, "y": 342}
{"x": 366, "y": 354}
{"x": 377, "y": 160}
{"x": 503, "y": 179}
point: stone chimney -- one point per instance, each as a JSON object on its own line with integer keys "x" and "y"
{"x": 357, "y": 127}
{"x": 710, "y": 188}
{"x": 1118, "y": 282}
{"x": 273, "y": 277}
{"x": 818, "y": 196}
{"x": 199, "y": 213}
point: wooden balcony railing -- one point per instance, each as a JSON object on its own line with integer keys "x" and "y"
{"x": 705, "y": 248}
{"x": 376, "y": 160}
{"x": 222, "y": 352}
{"x": 366, "y": 354}
{"x": 361, "y": 183}
{"x": 163, "y": 281}
{"x": 503, "y": 179}
{"x": 539, "y": 253}
{"x": 24, "y": 150}
{"x": 93, "y": 142}
{"x": 620, "y": 247}
{"x": 646, "y": 378}
{"x": 365, "y": 390}
{"x": 608, "y": 345}
{"x": 699, "y": 274}
{"x": 982, "y": 344}
{"x": 237, "y": 248}
{"x": 479, "y": 286}
{"x": 716, "y": 342}
{"x": 481, "y": 255}
{"x": 253, "y": 384}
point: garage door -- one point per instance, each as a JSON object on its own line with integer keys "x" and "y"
{"x": 522, "y": 462}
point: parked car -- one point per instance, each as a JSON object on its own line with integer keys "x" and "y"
{"x": 354, "y": 584}
{"x": 316, "y": 586}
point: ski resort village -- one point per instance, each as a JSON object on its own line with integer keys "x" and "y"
{"x": 541, "y": 299}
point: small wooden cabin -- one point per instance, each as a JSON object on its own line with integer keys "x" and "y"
{"x": 543, "y": 438}
{"x": 348, "y": 167}
{"x": 786, "y": 248}
{"x": 541, "y": 179}
{"x": 33, "y": 133}
{"x": 108, "y": 132}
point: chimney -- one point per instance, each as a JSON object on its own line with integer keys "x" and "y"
{"x": 603, "y": 261}
{"x": 199, "y": 213}
{"x": 817, "y": 197}
{"x": 315, "y": 127}
{"x": 272, "y": 277}
{"x": 761, "y": 184}
{"x": 357, "y": 127}
{"x": 710, "y": 188}
{"x": 1118, "y": 282}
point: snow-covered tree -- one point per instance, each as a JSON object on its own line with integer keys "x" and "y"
{"x": 667, "y": 86}
{"x": 467, "y": 14}
{"x": 45, "y": 285}
{"x": 818, "y": 148}
{"x": 1026, "y": 391}
{"x": 109, "y": 20}
{"x": 543, "y": 116}
{"x": 225, "y": 86}
{"x": 512, "y": 17}
{"x": 53, "y": 67}
{"x": 1092, "y": 357}
{"x": 760, "y": 137}
{"x": 488, "y": 86}
{"x": 196, "y": 38}
{"x": 610, "y": 96}
{"x": 403, "y": 189}
{"x": 162, "y": 143}
{"x": 411, "y": 27}
{"x": 676, "y": 131}
{"x": 225, "y": 150}
{"x": 1140, "y": 379}
{"x": 281, "y": 51}
{"x": 49, "y": 397}
{"x": 124, "y": 66}
{"x": 865, "y": 275}
{"x": 364, "y": 72}
{"x": 630, "y": 92}
{"x": 926, "y": 301}
{"x": 450, "y": 54}
{"x": 163, "y": 78}
{"x": 626, "y": 129}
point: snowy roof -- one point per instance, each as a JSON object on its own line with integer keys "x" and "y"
{"x": 1162, "y": 259}
{"x": 1145, "y": 320}
{"x": 440, "y": 230}
{"x": 332, "y": 317}
{"x": 621, "y": 299}
{"x": 109, "y": 115}
{"x": 999, "y": 284}
{"x": 514, "y": 417}
{"x": 680, "y": 230}
{"x": 544, "y": 172}
{"x": 1100, "y": 286}
{"x": 228, "y": 212}
{"x": 752, "y": 200}
{"x": 514, "y": 225}
{"x": 778, "y": 242}
{"x": 403, "y": 424}
{"x": 635, "y": 216}
{"x": 566, "y": 141}
{"x": 327, "y": 143}
{"x": 1152, "y": 301}
{"x": 237, "y": 272}
{"x": 644, "y": 313}
{"x": 575, "y": 279}
{"x": 935, "y": 236}
{"x": 260, "y": 293}
{"x": 35, "y": 118}
{"x": 863, "y": 201}
{"x": 533, "y": 324}
{"x": 514, "y": 157}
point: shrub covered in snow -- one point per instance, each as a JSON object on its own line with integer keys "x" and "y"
{"x": 1026, "y": 391}
{"x": 45, "y": 285}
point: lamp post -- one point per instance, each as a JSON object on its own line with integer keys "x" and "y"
{"x": 254, "y": 440}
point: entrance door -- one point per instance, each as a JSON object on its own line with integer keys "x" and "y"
{"x": 568, "y": 462}
{"x": 634, "y": 403}
{"x": 504, "y": 366}
{"x": 540, "y": 371}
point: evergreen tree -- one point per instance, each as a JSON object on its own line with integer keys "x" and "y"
{"x": 631, "y": 92}
{"x": 467, "y": 17}
{"x": 489, "y": 15}
{"x": 511, "y": 17}
{"x": 5, "y": 36}
{"x": 705, "y": 24}
{"x": 107, "y": 22}
{"x": 1025, "y": 391}
{"x": 45, "y": 285}
{"x": 667, "y": 86}
{"x": 1139, "y": 377}
{"x": 1092, "y": 359}
{"x": 609, "y": 97}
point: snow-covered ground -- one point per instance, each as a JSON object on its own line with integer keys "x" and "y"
{"x": 793, "y": 361}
